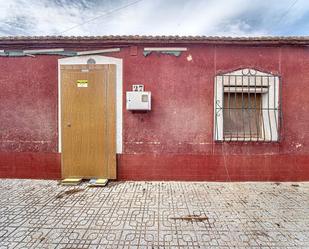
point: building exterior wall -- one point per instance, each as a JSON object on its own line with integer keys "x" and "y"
{"x": 174, "y": 141}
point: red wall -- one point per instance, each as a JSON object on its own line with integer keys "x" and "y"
{"x": 28, "y": 116}
{"x": 175, "y": 140}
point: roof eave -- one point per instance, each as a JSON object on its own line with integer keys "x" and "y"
{"x": 131, "y": 40}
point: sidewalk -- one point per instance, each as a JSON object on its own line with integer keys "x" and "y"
{"x": 43, "y": 214}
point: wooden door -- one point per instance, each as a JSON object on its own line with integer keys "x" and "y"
{"x": 88, "y": 121}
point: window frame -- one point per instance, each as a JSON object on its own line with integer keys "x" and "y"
{"x": 250, "y": 80}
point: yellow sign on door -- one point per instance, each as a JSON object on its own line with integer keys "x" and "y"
{"x": 82, "y": 83}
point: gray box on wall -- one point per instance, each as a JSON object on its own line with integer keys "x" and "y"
{"x": 138, "y": 101}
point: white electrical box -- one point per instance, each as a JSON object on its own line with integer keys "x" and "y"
{"x": 139, "y": 101}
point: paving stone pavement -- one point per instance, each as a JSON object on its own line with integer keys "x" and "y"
{"x": 43, "y": 214}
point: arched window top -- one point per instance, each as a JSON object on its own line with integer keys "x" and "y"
{"x": 247, "y": 72}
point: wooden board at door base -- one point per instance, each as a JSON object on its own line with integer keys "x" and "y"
{"x": 88, "y": 121}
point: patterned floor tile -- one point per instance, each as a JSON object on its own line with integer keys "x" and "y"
{"x": 44, "y": 214}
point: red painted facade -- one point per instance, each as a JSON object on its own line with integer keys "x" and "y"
{"x": 174, "y": 141}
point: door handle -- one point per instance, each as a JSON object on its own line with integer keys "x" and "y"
{"x": 69, "y": 125}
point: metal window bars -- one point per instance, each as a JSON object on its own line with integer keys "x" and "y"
{"x": 247, "y": 106}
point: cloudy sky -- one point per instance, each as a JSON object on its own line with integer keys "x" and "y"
{"x": 154, "y": 17}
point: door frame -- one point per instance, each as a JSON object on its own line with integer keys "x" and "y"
{"x": 82, "y": 60}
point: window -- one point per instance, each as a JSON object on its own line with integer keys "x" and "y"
{"x": 247, "y": 106}
{"x": 242, "y": 114}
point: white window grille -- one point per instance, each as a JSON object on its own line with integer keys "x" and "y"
{"x": 247, "y": 106}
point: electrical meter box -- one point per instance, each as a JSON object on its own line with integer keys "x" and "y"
{"x": 139, "y": 101}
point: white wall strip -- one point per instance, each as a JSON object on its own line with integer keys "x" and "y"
{"x": 108, "y": 50}
{"x": 35, "y": 51}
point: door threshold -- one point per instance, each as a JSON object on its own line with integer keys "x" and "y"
{"x": 97, "y": 182}
{"x": 71, "y": 181}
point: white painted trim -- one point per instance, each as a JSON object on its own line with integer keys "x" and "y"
{"x": 268, "y": 100}
{"x": 108, "y": 50}
{"x": 218, "y": 102}
{"x": 34, "y": 51}
{"x": 165, "y": 49}
{"x": 99, "y": 60}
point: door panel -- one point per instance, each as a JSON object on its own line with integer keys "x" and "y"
{"x": 88, "y": 121}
